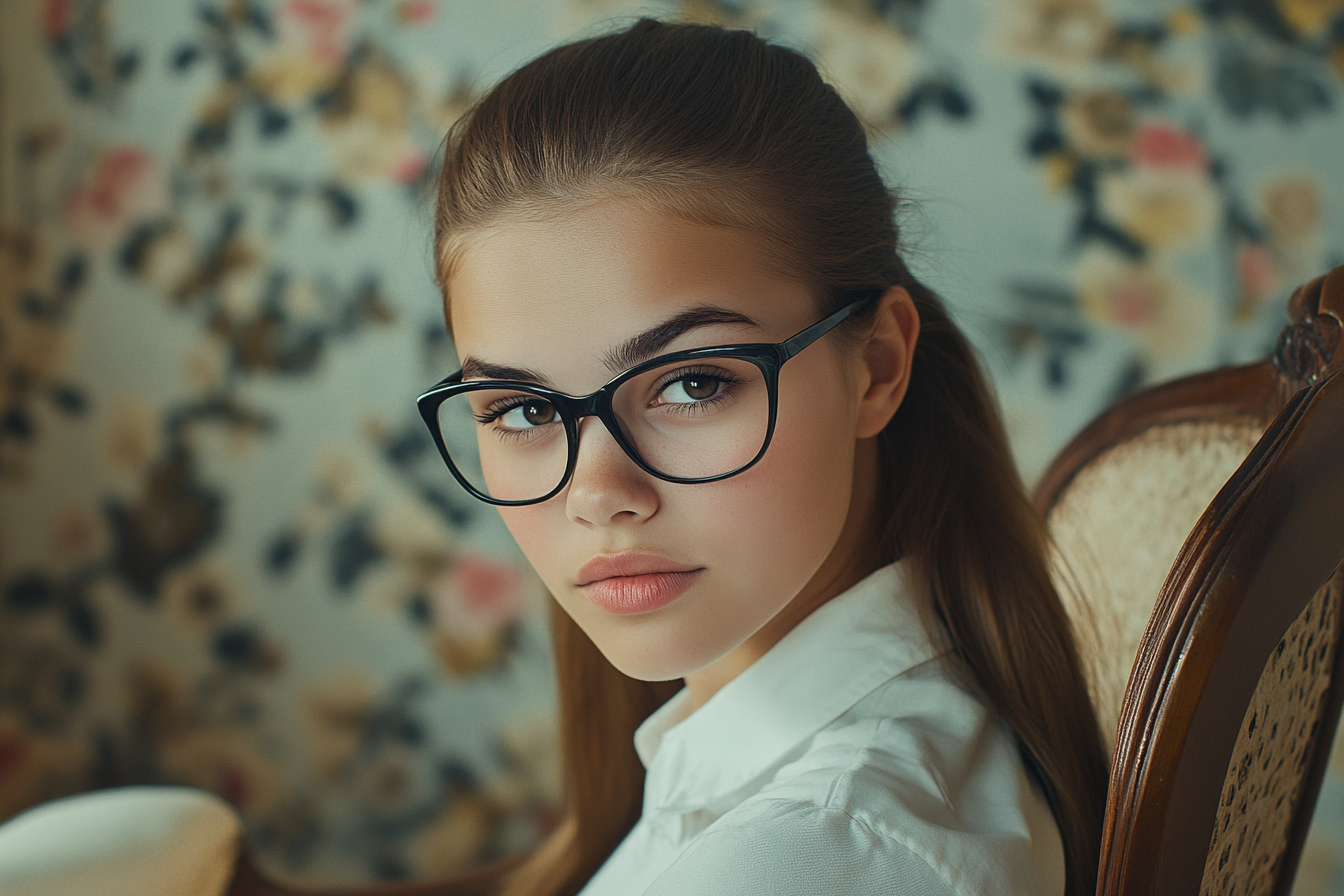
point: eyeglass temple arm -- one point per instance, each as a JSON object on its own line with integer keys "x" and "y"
{"x": 799, "y": 341}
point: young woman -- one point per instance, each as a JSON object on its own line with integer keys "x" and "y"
{"x": 748, "y": 452}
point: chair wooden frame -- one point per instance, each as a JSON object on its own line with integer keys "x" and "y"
{"x": 1270, "y": 539}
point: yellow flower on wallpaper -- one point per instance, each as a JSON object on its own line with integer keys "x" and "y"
{"x": 368, "y": 124}
{"x": 288, "y": 78}
{"x": 1165, "y": 198}
{"x": 32, "y": 348}
{"x": 1067, "y": 33}
{"x": 1310, "y": 18}
{"x": 870, "y": 62}
{"x": 1292, "y": 209}
{"x": 1162, "y": 209}
{"x": 132, "y": 436}
{"x": 414, "y": 537}
{"x": 1100, "y": 123}
{"x": 313, "y": 40}
{"x": 337, "y": 710}
{"x": 168, "y": 262}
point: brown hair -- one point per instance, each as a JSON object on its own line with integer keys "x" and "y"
{"x": 721, "y": 127}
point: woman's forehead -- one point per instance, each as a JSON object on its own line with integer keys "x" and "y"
{"x": 567, "y": 290}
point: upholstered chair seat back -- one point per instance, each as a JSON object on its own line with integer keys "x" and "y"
{"x": 1117, "y": 528}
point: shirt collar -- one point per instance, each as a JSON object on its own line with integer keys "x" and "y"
{"x": 839, "y": 654}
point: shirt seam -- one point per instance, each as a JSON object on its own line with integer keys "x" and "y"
{"x": 909, "y": 846}
{"x": 891, "y": 837}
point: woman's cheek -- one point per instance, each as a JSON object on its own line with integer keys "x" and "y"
{"x": 534, "y": 528}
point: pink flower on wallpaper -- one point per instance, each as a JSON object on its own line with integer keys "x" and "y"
{"x": 1132, "y": 306}
{"x": 56, "y": 16}
{"x": 409, "y": 166}
{"x": 417, "y": 12}
{"x": 1256, "y": 271}
{"x": 476, "y": 597}
{"x": 125, "y": 186}
{"x": 320, "y": 26}
{"x": 1171, "y": 319}
{"x": 1165, "y": 147}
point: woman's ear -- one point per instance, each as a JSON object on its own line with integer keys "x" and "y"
{"x": 888, "y": 354}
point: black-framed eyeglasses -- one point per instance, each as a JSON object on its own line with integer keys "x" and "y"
{"x": 698, "y": 415}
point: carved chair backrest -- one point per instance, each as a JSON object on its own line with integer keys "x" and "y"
{"x": 1235, "y": 689}
{"x": 1123, "y": 496}
{"x": 1233, "y": 701}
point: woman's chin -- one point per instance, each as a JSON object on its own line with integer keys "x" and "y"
{"x": 660, "y": 663}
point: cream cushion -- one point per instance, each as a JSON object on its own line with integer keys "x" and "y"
{"x": 131, "y": 841}
{"x": 1117, "y": 528}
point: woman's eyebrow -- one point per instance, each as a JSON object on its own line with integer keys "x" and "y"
{"x": 632, "y": 351}
{"x": 476, "y": 369}
{"x": 653, "y": 340}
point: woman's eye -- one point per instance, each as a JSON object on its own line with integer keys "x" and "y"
{"x": 528, "y": 414}
{"x": 693, "y": 387}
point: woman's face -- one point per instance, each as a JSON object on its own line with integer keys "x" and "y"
{"x": 555, "y": 298}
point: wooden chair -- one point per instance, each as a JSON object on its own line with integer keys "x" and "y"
{"x": 1225, "y": 693}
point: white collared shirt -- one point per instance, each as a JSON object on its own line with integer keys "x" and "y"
{"x": 844, "y": 761}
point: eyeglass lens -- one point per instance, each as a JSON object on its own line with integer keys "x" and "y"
{"x": 688, "y": 420}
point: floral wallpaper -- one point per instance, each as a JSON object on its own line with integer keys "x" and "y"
{"x": 229, "y": 555}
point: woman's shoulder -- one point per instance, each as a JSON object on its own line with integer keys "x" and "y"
{"x": 916, "y": 788}
{"x": 783, "y": 847}
{"x": 914, "y": 741}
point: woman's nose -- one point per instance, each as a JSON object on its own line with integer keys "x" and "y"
{"x": 607, "y": 486}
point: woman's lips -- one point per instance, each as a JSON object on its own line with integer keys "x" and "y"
{"x": 634, "y": 582}
{"x": 639, "y": 594}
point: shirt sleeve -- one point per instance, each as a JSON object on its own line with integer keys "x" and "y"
{"x": 798, "y": 849}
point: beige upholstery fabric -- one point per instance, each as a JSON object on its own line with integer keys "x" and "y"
{"x": 1117, "y": 528}
{"x": 1273, "y": 750}
{"x": 132, "y": 841}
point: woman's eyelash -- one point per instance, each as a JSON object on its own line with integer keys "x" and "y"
{"x": 500, "y": 408}
{"x": 722, "y": 376}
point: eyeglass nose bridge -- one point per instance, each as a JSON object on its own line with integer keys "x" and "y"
{"x": 598, "y": 404}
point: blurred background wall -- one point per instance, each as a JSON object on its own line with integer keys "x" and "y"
{"x": 229, "y": 556}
